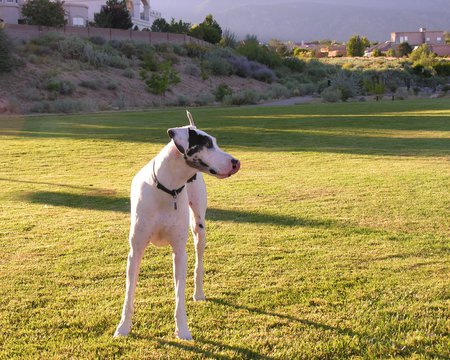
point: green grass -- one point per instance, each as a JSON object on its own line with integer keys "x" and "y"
{"x": 331, "y": 242}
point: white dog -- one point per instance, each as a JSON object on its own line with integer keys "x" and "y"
{"x": 162, "y": 210}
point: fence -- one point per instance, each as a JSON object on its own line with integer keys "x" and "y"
{"x": 27, "y": 32}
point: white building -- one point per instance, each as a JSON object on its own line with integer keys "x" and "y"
{"x": 80, "y": 12}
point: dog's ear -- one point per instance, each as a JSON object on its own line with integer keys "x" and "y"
{"x": 180, "y": 137}
{"x": 190, "y": 118}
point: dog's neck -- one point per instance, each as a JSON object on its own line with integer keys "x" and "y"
{"x": 171, "y": 169}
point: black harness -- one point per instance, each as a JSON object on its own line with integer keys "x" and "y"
{"x": 174, "y": 192}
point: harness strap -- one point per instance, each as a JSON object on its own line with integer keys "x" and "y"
{"x": 174, "y": 192}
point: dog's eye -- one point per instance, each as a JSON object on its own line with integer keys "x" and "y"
{"x": 209, "y": 143}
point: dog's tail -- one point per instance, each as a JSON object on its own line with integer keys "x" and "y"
{"x": 191, "y": 119}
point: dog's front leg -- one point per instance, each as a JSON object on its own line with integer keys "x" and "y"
{"x": 179, "y": 272}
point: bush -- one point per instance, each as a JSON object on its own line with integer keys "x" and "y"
{"x": 150, "y": 61}
{"x": 245, "y": 97}
{"x": 181, "y": 100}
{"x": 194, "y": 50}
{"x": 112, "y": 85}
{"x": 442, "y": 68}
{"x": 347, "y": 83}
{"x": 192, "y": 69}
{"x": 245, "y": 68}
{"x": 71, "y": 47}
{"x": 63, "y": 87}
{"x": 217, "y": 65}
{"x": 97, "y": 40}
{"x": 204, "y": 99}
{"x": 92, "y": 84}
{"x": 129, "y": 73}
{"x": 180, "y": 50}
{"x": 221, "y": 91}
{"x": 294, "y": 64}
{"x": 278, "y": 91}
{"x": 331, "y": 95}
{"x": 161, "y": 81}
{"x": 6, "y": 52}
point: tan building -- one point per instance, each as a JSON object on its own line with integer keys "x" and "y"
{"x": 415, "y": 38}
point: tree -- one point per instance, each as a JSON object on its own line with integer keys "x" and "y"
{"x": 279, "y": 47}
{"x": 6, "y": 56}
{"x": 209, "y": 30}
{"x": 229, "y": 39}
{"x": 179, "y": 27}
{"x": 356, "y": 46}
{"x": 113, "y": 15}
{"x": 160, "y": 25}
{"x": 447, "y": 37}
{"x": 423, "y": 56}
{"x": 44, "y": 13}
{"x": 404, "y": 49}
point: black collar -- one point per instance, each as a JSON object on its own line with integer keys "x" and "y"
{"x": 174, "y": 192}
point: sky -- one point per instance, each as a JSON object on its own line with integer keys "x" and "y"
{"x": 297, "y": 20}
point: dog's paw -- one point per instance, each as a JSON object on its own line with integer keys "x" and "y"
{"x": 199, "y": 297}
{"x": 122, "y": 330}
{"x": 183, "y": 335}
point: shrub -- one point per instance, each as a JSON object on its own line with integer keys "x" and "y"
{"x": 221, "y": 91}
{"x": 181, "y": 100}
{"x": 161, "y": 81}
{"x": 180, "y": 50}
{"x": 252, "y": 50}
{"x": 294, "y": 64}
{"x": 128, "y": 48}
{"x": 117, "y": 61}
{"x": 278, "y": 91}
{"x": 401, "y": 93}
{"x": 244, "y": 97}
{"x": 194, "y": 50}
{"x": 92, "y": 84}
{"x": 192, "y": 69}
{"x": 129, "y": 73}
{"x": 44, "y": 13}
{"x": 204, "y": 99}
{"x": 97, "y": 40}
{"x": 442, "y": 68}
{"x": 63, "y": 87}
{"x": 150, "y": 61}
{"x": 245, "y": 68}
{"x": 72, "y": 47}
{"x": 347, "y": 83}
{"x": 112, "y": 85}
{"x": 331, "y": 95}
{"x": 6, "y": 52}
{"x": 217, "y": 65}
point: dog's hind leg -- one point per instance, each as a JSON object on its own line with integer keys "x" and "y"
{"x": 197, "y": 210}
{"x": 138, "y": 243}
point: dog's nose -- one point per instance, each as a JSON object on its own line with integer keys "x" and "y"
{"x": 235, "y": 163}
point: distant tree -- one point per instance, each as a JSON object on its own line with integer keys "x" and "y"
{"x": 44, "y": 13}
{"x": 404, "y": 49}
{"x": 377, "y": 53}
{"x": 356, "y": 46}
{"x": 365, "y": 42}
{"x": 6, "y": 56}
{"x": 229, "y": 39}
{"x": 279, "y": 47}
{"x": 390, "y": 53}
{"x": 113, "y": 15}
{"x": 209, "y": 30}
{"x": 160, "y": 25}
{"x": 423, "y": 56}
{"x": 179, "y": 27}
{"x": 303, "y": 53}
{"x": 447, "y": 37}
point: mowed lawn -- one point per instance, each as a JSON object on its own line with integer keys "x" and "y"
{"x": 331, "y": 242}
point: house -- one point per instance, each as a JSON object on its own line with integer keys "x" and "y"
{"x": 383, "y": 47}
{"x": 81, "y": 12}
{"x": 416, "y": 38}
{"x": 337, "y": 51}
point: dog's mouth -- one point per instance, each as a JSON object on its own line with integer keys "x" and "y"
{"x": 203, "y": 167}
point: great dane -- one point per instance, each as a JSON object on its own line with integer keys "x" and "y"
{"x": 167, "y": 195}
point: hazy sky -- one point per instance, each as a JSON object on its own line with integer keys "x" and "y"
{"x": 298, "y": 20}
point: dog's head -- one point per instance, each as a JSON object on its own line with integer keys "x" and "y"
{"x": 201, "y": 151}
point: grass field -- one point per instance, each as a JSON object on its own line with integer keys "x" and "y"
{"x": 331, "y": 242}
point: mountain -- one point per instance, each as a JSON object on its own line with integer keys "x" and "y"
{"x": 298, "y": 20}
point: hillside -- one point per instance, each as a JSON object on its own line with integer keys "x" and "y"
{"x": 47, "y": 81}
